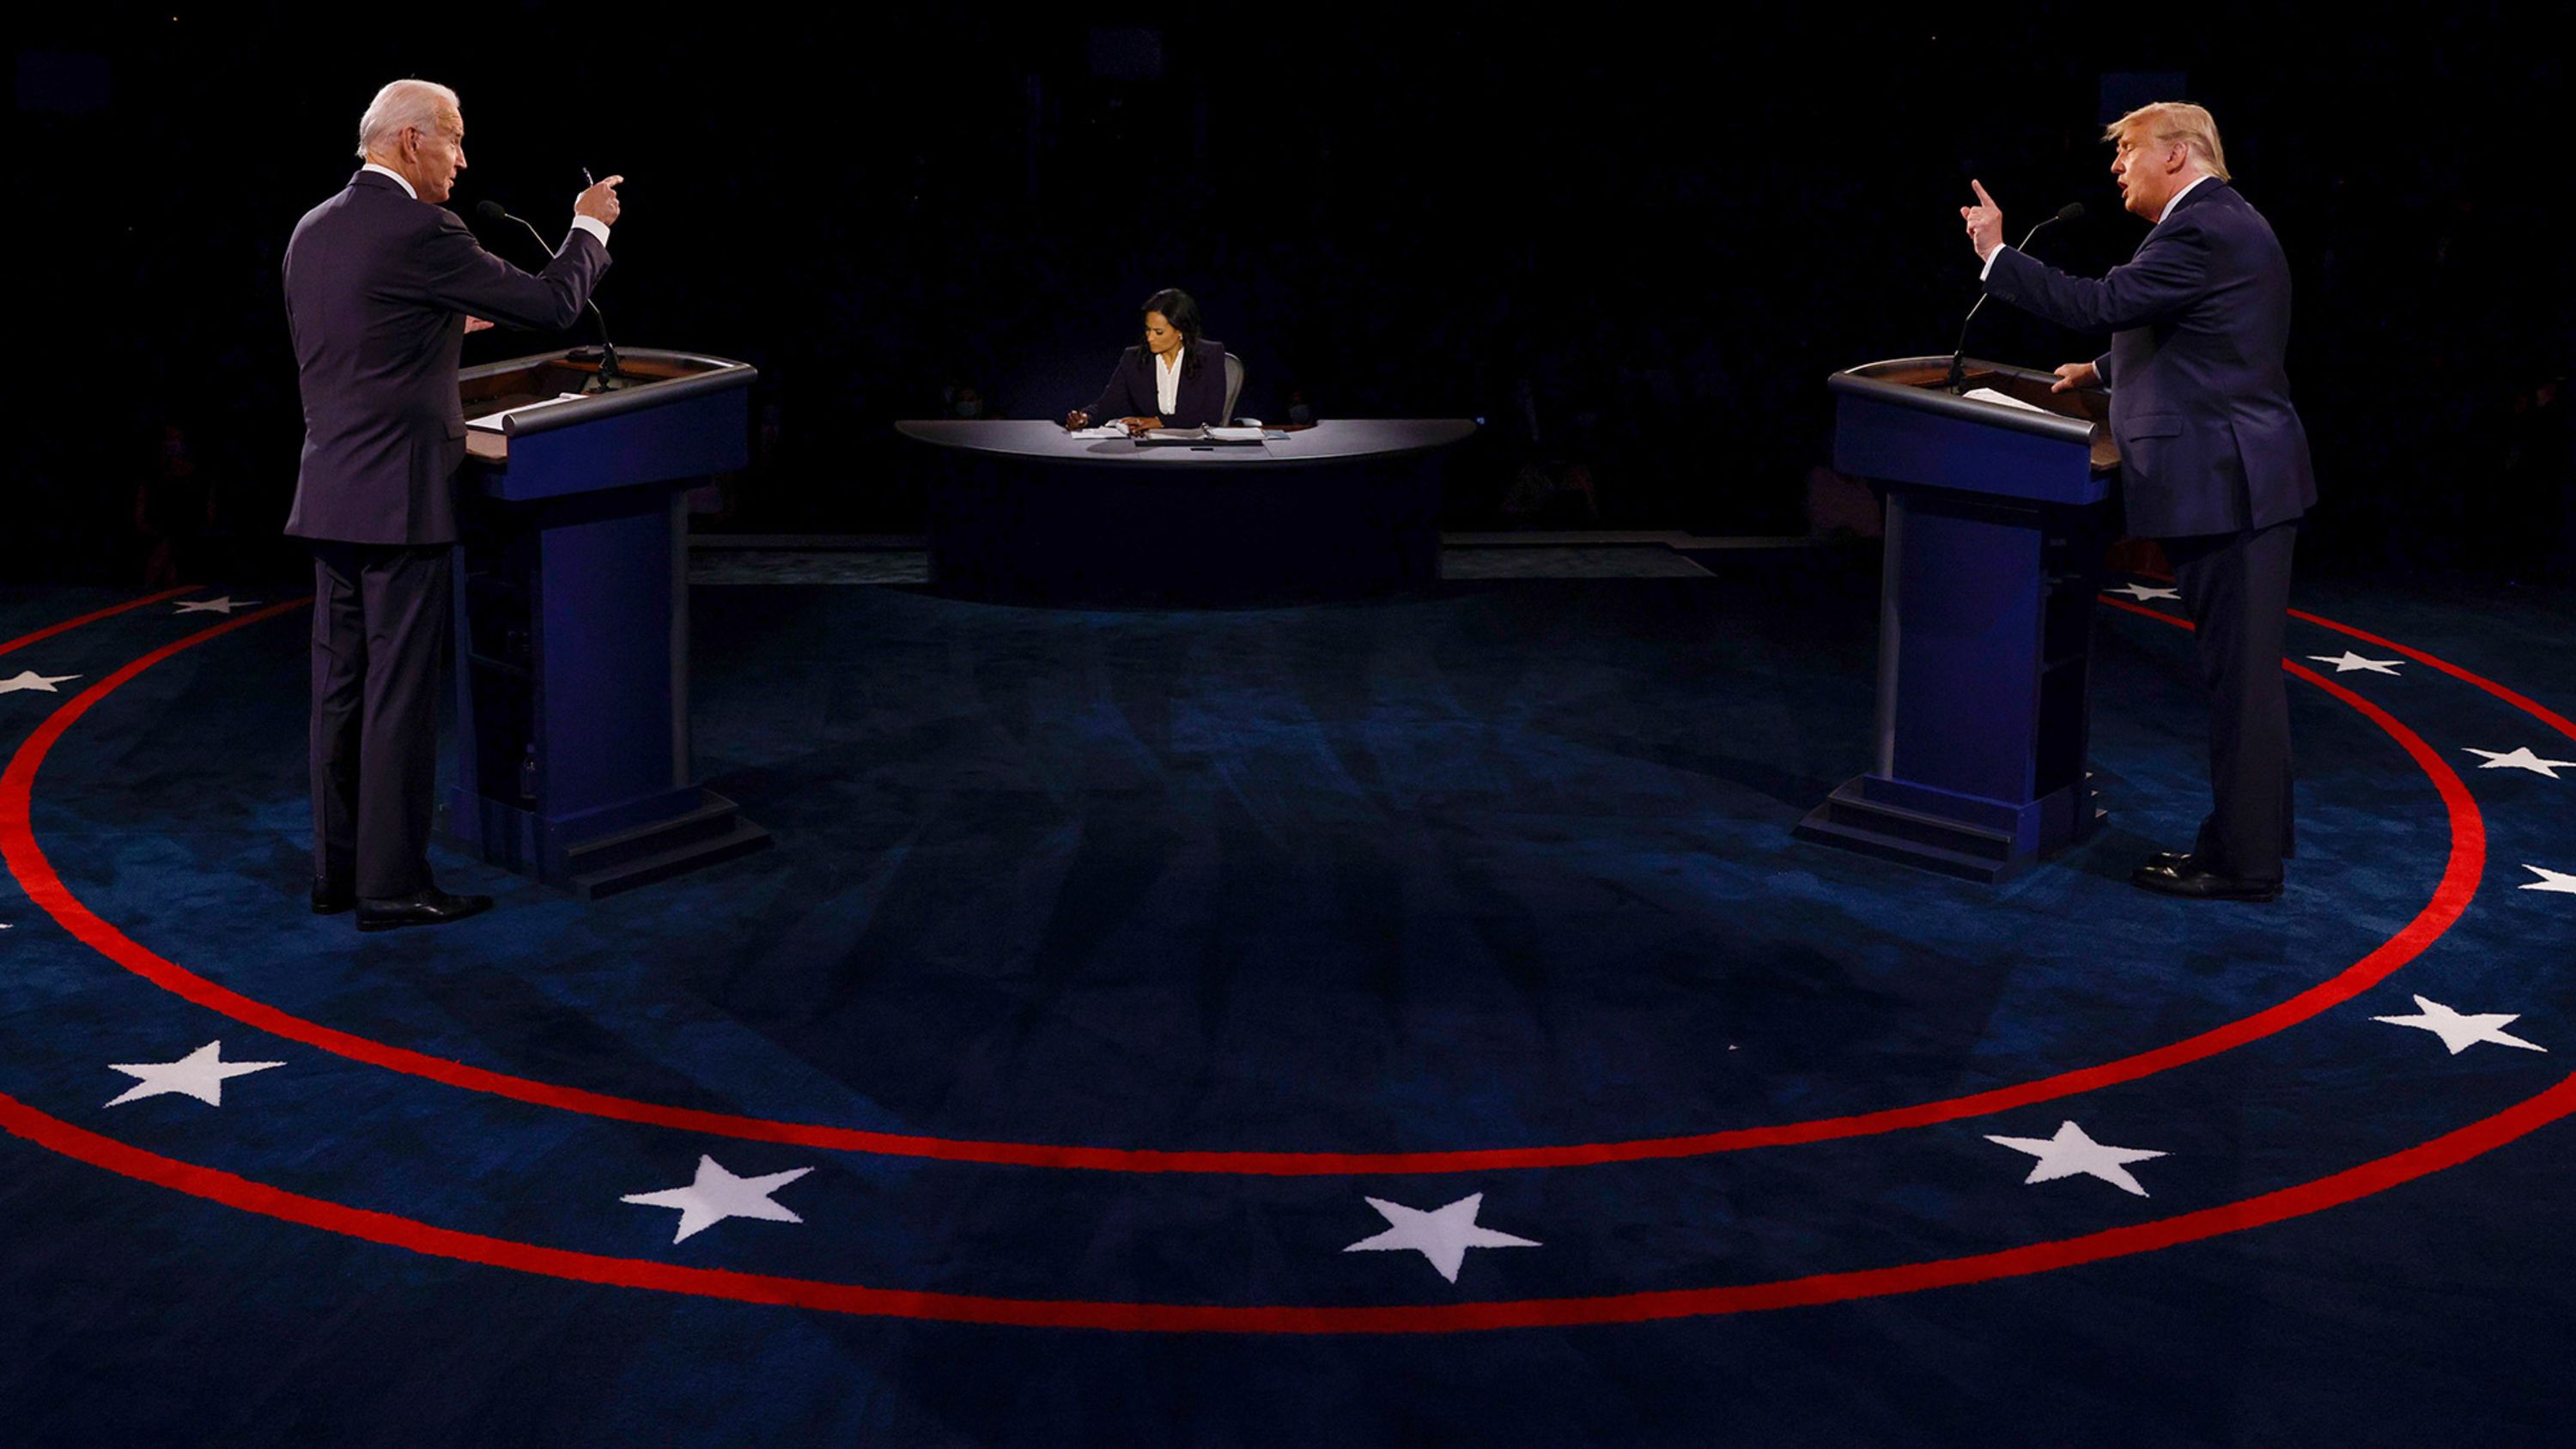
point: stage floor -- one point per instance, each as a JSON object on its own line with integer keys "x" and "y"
{"x": 1117, "y": 973}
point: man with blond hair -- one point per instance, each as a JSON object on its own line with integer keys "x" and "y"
{"x": 382, "y": 283}
{"x": 2213, "y": 459}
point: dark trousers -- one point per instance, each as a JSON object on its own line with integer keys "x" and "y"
{"x": 2236, "y": 588}
{"x": 380, "y": 624}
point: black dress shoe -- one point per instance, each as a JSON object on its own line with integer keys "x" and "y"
{"x": 432, "y": 907}
{"x": 2182, "y": 876}
{"x": 330, "y": 900}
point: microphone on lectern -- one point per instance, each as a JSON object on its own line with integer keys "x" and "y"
{"x": 610, "y": 376}
{"x": 1957, "y": 381}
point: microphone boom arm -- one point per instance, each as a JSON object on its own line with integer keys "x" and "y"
{"x": 1957, "y": 381}
{"x": 611, "y": 376}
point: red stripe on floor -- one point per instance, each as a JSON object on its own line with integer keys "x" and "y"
{"x": 2347, "y": 1186}
{"x": 110, "y": 612}
{"x": 35, "y": 873}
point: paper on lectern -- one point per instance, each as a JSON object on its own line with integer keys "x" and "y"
{"x": 491, "y": 422}
{"x": 1989, "y": 395}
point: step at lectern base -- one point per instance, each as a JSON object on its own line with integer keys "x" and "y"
{"x": 698, "y": 829}
{"x": 1988, "y": 851}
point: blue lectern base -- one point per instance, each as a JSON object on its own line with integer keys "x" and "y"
{"x": 690, "y": 829}
{"x": 1957, "y": 835}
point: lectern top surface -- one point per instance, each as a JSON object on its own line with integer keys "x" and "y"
{"x": 2021, "y": 399}
{"x": 561, "y": 389}
{"x": 552, "y": 390}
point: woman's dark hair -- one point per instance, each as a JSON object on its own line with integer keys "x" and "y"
{"x": 1183, "y": 314}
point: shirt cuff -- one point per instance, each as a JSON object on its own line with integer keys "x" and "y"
{"x": 593, "y": 225}
{"x": 1982, "y": 272}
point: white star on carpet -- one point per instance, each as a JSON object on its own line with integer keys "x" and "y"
{"x": 224, "y": 605}
{"x": 30, "y": 679}
{"x": 2460, "y": 1033}
{"x": 2521, "y": 759}
{"x": 2070, "y": 1152}
{"x": 2142, "y": 592}
{"x": 718, "y": 1195}
{"x": 2550, "y": 880}
{"x": 2351, "y": 661}
{"x": 199, "y": 1074}
{"x": 1442, "y": 1235}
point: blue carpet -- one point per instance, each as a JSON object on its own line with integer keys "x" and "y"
{"x": 1502, "y": 866}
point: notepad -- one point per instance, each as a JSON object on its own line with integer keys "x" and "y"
{"x": 1989, "y": 395}
{"x": 1201, "y": 435}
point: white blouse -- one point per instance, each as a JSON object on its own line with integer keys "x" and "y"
{"x": 1167, "y": 382}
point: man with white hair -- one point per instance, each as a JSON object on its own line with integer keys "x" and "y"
{"x": 2213, "y": 459}
{"x": 382, "y": 284}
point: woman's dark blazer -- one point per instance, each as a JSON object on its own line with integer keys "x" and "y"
{"x": 1130, "y": 393}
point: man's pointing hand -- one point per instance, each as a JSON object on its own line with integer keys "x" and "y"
{"x": 1985, "y": 222}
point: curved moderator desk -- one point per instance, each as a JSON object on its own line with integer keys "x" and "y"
{"x": 1024, "y": 512}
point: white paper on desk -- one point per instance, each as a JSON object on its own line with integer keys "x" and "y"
{"x": 1204, "y": 433}
{"x": 1107, "y": 430}
{"x": 491, "y": 422}
{"x": 1989, "y": 395}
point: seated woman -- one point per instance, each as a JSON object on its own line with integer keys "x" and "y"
{"x": 1175, "y": 380}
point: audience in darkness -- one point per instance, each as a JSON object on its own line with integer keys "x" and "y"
{"x": 174, "y": 508}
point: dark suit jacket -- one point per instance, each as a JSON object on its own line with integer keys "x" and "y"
{"x": 377, "y": 288}
{"x": 1131, "y": 394}
{"x": 2199, "y": 404}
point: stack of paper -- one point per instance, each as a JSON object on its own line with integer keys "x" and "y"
{"x": 1989, "y": 395}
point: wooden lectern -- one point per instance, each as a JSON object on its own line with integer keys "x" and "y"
{"x": 1997, "y": 517}
{"x": 572, "y": 680}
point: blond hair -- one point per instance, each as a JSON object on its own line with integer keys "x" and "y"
{"x": 2168, "y": 122}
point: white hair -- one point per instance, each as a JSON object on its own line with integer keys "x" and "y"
{"x": 405, "y": 103}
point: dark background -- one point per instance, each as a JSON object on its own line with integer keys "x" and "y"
{"x": 1634, "y": 251}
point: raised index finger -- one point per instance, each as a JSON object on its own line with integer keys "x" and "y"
{"x": 1980, "y": 188}
{"x": 612, "y": 181}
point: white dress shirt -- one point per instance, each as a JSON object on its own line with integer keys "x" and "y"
{"x": 399, "y": 179}
{"x": 590, "y": 224}
{"x": 1167, "y": 381}
{"x": 2178, "y": 196}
